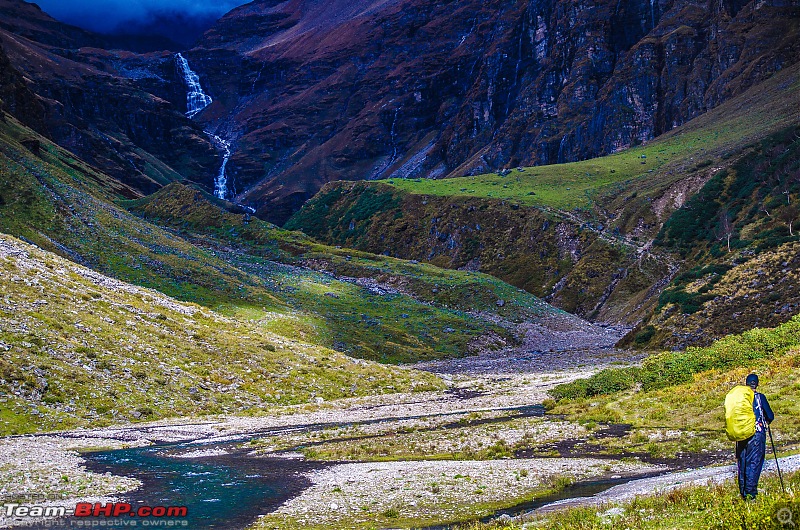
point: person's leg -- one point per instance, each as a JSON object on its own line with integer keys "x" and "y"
{"x": 754, "y": 456}
{"x": 741, "y": 467}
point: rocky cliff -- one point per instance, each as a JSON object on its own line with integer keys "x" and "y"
{"x": 309, "y": 92}
{"x": 691, "y": 237}
{"x": 319, "y": 91}
{"x": 117, "y": 110}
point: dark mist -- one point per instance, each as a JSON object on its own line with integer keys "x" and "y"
{"x": 174, "y": 24}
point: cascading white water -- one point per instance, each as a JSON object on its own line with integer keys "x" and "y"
{"x": 393, "y": 134}
{"x": 221, "y": 182}
{"x": 196, "y": 99}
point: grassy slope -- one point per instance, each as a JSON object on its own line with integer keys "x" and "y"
{"x": 709, "y": 507}
{"x": 684, "y": 391}
{"x": 649, "y": 168}
{"x": 63, "y": 206}
{"x": 531, "y": 249}
{"x": 362, "y": 300}
{"x": 82, "y": 349}
{"x": 754, "y": 283}
{"x": 582, "y": 232}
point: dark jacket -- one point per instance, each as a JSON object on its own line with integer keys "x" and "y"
{"x": 763, "y": 411}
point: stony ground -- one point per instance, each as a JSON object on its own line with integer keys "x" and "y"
{"x": 485, "y": 404}
{"x": 48, "y": 471}
{"x": 491, "y": 386}
{"x": 353, "y": 495}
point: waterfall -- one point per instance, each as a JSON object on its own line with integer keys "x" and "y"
{"x": 221, "y": 180}
{"x": 560, "y": 158}
{"x": 196, "y": 99}
{"x": 653, "y": 4}
{"x": 393, "y": 135}
{"x": 378, "y": 172}
{"x": 516, "y": 71}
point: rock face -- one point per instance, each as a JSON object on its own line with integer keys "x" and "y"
{"x": 314, "y": 91}
{"x": 119, "y": 111}
{"x": 309, "y": 92}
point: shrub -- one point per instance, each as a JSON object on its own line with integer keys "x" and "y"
{"x": 145, "y": 411}
{"x": 549, "y": 404}
{"x": 610, "y": 381}
{"x": 644, "y": 336}
{"x": 675, "y": 368}
{"x": 573, "y": 390}
{"x": 604, "y": 382}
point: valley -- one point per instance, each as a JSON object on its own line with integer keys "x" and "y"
{"x": 479, "y": 448}
{"x": 632, "y": 237}
{"x": 409, "y": 264}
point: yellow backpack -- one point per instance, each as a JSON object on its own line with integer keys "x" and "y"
{"x": 740, "y": 419}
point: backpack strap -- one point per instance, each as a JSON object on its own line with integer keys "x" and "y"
{"x": 761, "y": 420}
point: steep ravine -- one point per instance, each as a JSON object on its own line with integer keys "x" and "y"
{"x": 561, "y": 259}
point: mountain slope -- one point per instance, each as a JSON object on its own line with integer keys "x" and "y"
{"x": 309, "y": 92}
{"x": 366, "y": 305}
{"x": 582, "y": 234}
{"x": 119, "y": 111}
{"x": 80, "y": 349}
{"x": 413, "y": 88}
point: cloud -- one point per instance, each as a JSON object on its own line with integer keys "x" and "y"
{"x": 107, "y": 16}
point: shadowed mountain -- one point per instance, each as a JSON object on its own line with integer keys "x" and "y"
{"x": 308, "y": 92}
{"x": 311, "y": 92}
{"x": 119, "y": 111}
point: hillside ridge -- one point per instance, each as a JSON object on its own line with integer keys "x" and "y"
{"x": 596, "y": 237}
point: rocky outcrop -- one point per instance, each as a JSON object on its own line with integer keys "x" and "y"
{"x": 316, "y": 92}
{"x": 15, "y": 96}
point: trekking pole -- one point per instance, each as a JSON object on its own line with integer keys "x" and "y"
{"x": 775, "y": 454}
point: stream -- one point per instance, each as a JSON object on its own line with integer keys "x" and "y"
{"x": 222, "y": 485}
{"x": 585, "y": 488}
{"x": 231, "y": 489}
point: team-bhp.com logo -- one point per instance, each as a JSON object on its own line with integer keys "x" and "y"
{"x": 118, "y": 509}
{"x": 89, "y": 514}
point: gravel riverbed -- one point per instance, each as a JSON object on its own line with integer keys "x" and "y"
{"x": 484, "y": 386}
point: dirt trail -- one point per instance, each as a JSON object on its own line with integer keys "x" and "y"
{"x": 664, "y": 483}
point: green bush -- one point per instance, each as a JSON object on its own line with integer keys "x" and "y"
{"x": 644, "y": 336}
{"x": 573, "y": 390}
{"x": 610, "y": 381}
{"x": 674, "y": 368}
{"x": 689, "y": 302}
{"x": 606, "y": 381}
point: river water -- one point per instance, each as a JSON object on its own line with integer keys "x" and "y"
{"x": 227, "y": 491}
{"x": 223, "y": 485}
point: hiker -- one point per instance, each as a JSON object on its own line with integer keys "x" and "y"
{"x": 750, "y": 452}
